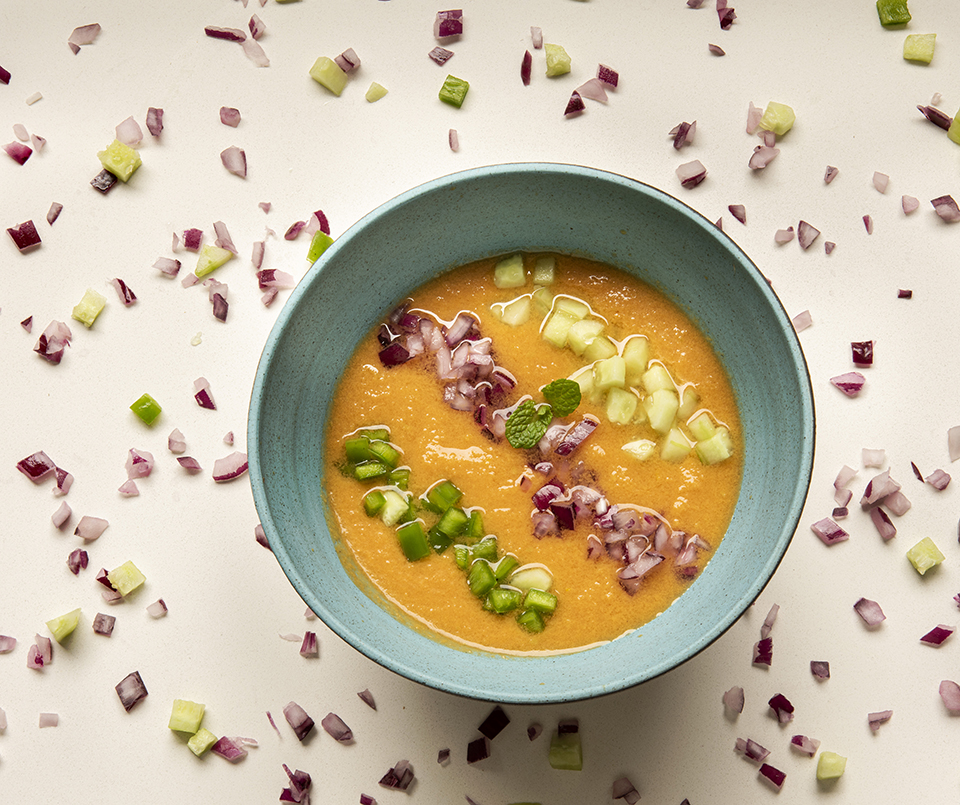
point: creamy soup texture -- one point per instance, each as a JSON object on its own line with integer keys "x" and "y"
{"x": 622, "y": 521}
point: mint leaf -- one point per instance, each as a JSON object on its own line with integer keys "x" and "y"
{"x": 563, "y": 394}
{"x": 527, "y": 424}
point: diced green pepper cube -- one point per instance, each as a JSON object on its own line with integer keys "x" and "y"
{"x": 89, "y": 307}
{"x": 454, "y": 90}
{"x": 919, "y": 47}
{"x": 505, "y": 566}
{"x": 126, "y": 578}
{"x": 509, "y": 272}
{"x": 453, "y": 522}
{"x": 383, "y": 434}
{"x": 480, "y": 578}
{"x": 544, "y": 270}
{"x": 400, "y": 478}
{"x": 558, "y": 62}
{"x": 147, "y": 408}
{"x": 893, "y": 12}
{"x": 357, "y": 449}
{"x": 320, "y": 243}
{"x": 120, "y": 159}
{"x": 440, "y": 542}
{"x": 370, "y": 469}
{"x": 540, "y": 600}
{"x": 201, "y": 741}
{"x": 413, "y": 540}
{"x": 830, "y": 766}
{"x": 925, "y": 555}
{"x": 373, "y": 502}
{"x": 566, "y": 751}
{"x": 441, "y": 496}
{"x": 186, "y": 716}
{"x": 461, "y": 555}
{"x": 486, "y": 549}
{"x": 327, "y": 72}
{"x": 211, "y": 258}
{"x": 475, "y": 529}
{"x": 62, "y": 627}
{"x": 385, "y": 452}
{"x": 504, "y": 599}
{"x": 531, "y": 620}
{"x": 778, "y": 118}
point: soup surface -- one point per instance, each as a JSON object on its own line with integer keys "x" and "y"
{"x": 619, "y": 530}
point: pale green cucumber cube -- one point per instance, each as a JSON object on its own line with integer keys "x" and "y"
{"x": 702, "y": 426}
{"x": 509, "y": 272}
{"x": 954, "y": 131}
{"x": 556, "y": 327}
{"x": 543, "y": 300}
{"x": 600, "y": 348}
{"x": 919, "y": 47}
{"x": 778, "y": 118}
{"x": 327, "y": 72}
{"x": 581, "y": 333}
{"x": 375, "y": 92}
{"x": 89, "y": 307}
{"x": 925, "y": 555}
{"x": 715, "y": 449}
{"x": 63, "y": 626}
{"x": 516, "y": 312}
{"x": 544, "y": 270}
{"x": 126, "y": 578}
{"x": 395, "y": 507}
{"x": 584, "y": 379}
{"x": 318, "y": 245}
{"x": 185, "y": 716}
{"x": 610, "y": 373}
{"x": 558, "y": 62}
{"x": 830, "y": 766}
{"x": 575, "y": 307}
{"x": 636, "y": 352}
{"x": 656, "y": 378}
{"x": 676, "y": 446}
{"x": 566, "y": 751}
{"x": 689, "y": 401}
{"x": 621, "y": 406}
{"x": 211, "y": 258}
{"x": 201, "y": 741}
{"x": 641, "y": 449}
{"x": 661, "y": 408}
{"x": 531, "y": 577}
{"x": 120, "y": 159}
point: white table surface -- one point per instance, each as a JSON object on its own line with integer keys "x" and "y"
{"x": 229, "y": 603}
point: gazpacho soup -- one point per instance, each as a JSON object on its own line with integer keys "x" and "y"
{"x": 535, "y": 453}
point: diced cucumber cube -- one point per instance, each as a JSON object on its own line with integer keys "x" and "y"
{"x": 919, "y": 47}
{"x": 480, "y": 578}
{"x": 395, "y": 508}
{"x": 373, "y": 502}
{"x": 778, "y": 118}
{"x": 830, "y": 766}
{"x": 89, "y": 307}
{"x": 147, "y": 408}
{"x": 689, "y": 400}
{"x": 375, "y": 92}
{"x": 454, "y": 90}
{"x": 327, "y": 73}
{"x": 320, "y": 243}
{"x": 676, "y": 446}
{"x": 566, "y": 751}
{"x": 621, "y": 406}
{"x": 531, "y": 620}
{"x": 661, "y": 408}
{"x": 201, "y": 741}
{"x": 924, "y": 555}
{"x": 582, "y": 332}
{"x": 504, "y": 599}
{"x": 584, "y": 379}
{"x": 702, "y": 426}
{"x": 641, "y": 449}
{"x": 556, "y": 327}
{"x": 657, "y": 377}
{"x": 413, "y": 540}
{"x": 120, "y": 159}
{"x": 126, "y": 578}
{"x": 558, "y": 62}
{"x": 531, "y": 577}
{"x": 575, "y": 307}
{"x": 599, "y": 349}
{"x": 636, "y": 353}
{"x": 715, "y": 449}
{"x": 544, "y": 270}
{"x": 509, "y": 272}
{"x": 540, "y": 600}
{"x": 186, "y": 716}
{"x": 893, "y": 12}
{"x": 516, "y": 312}
{"x": 954, "y": 131}
{"x": 610, "y": 373}
{"x": 211, "y": 258}
{"x": 63, "y": 626}
{"x": 542, "y": 300}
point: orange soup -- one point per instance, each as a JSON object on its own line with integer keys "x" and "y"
{"x": 469, "y": 486}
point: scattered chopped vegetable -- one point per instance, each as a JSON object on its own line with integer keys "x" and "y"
{"x": 147, "y": 408}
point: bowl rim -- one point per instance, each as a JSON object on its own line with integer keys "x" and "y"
{"x": 789, "y": 523}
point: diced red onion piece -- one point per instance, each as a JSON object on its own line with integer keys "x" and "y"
{"x": 168, "y": 266}
{"x": 870, "y": 457}
{"x": 769, "y": 620}
{"x": 870, "y": 612}
{"x": 754, "y": 115}
{"x": 751, "y": 749}
{"x": 77, "y": 561}
{"x": 309, "y": 647}
{"x": 90, "y": 528}
{"x": 348, "y": 60}
{"x": 910, "y": 204}
{"x": 937, "y": 635}
{"x": 192, "y": 239}
{"x": 440, "y": 55}
{"x": 129, "y": 488}
{"x": 882, "y": 523}
{"x": 607, "y": 75}
{"x": 830, "y": 174}
{"x": 229, "y": 116}
{"x": 7, "y": 644}
{"x": 802, "y": 321}
{"x": 54, "y": 212}
{"x": 781, "y": 707}
{"x": 534, "y": 731}
{"x": 367, "y": 697}
{"x": 34, "y": 658}
{"x": 37, "y": 466}
{"x": 453, "y": 140}
{"x": 806, "y": 234}
{"x": 157, "y": 609}
{"x": 805, "y": 745}
{"x": 448, "y": 24}
{"x": 84, "y": 35}
{"x": 4, "y": 76}
{"x": 526, "y": 68}
{"x": 336, "y": 728}
{"x": 876, "y": 719}
{"x": 733, "y": 699}
{"x": 45, "y": 647}
{"x": 62, "y": 515}
{"x": 224, "y": 241}
{"x": 254, "y": 51}
{"x": 936, "y": 116}
{"x": 575, "y": 105}
{"x": 763, "y": 651}
{"x": 762, "y": 156}
{"x": 299, "y": 721}
{"x": 155, "y": 121}
{"x": 27, "y": 324}
{"x": 946, "y": 208}
{"x": 443, "y": 756}
{"x": 938, "y": 479}
{"x": 129, "y": 132}
{"x": 774, "y": 775}
{"x": 953, "y": 442}
{"x": 829, "y": 532}
{"x": 850, "y": 383}
{"x": 229, "y": 34}
{"x": 399, "y": 777}
{"x": 256, "y": 26}
{"x": 478, "y": 749}
{"x": 25, "y": 236}
{"x": 782, "y": 236}
{"x": 494, "y": 723}
{"x": 950, "y": 694}
{"x": 881, "y": 181}
{"x": 131, "y": 690}
{"x": 201, "y": 388}
{"x": 230, "y": 467}
{"x": 576, "y": 436}
{"x": 175, "y": 441}
{"x": 49, "y": 720}
{"x": 726, "y": 15}
{"x": 294, "y": 230}
{"x": 868, "y": 224}
{"x": 739, "y": 212}
{"x": 820, "y": 669}
{"x": 716, "y": 50}
{"x": 592, "y": 89}
{"x": 103, "y": 182}
{"x": 235, "y": 160}
{"x": 139, "y": 463}
{"x": 536, "y": 37}
{"x": 229, "y": 749}
{"x": 126, "y": 294}
{"x": 259, "y": 249}
{"x": 691, "y": 173}
{"x": 623, "y": 789}
{"x": 274, "y": 278}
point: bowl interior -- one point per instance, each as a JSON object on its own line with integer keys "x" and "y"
{"x": 531, "y": 207}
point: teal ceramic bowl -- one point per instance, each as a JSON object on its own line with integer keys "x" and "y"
{"x": 531, "y": 207}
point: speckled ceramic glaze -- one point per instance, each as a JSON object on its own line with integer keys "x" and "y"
{"x": 532, "y": 207}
